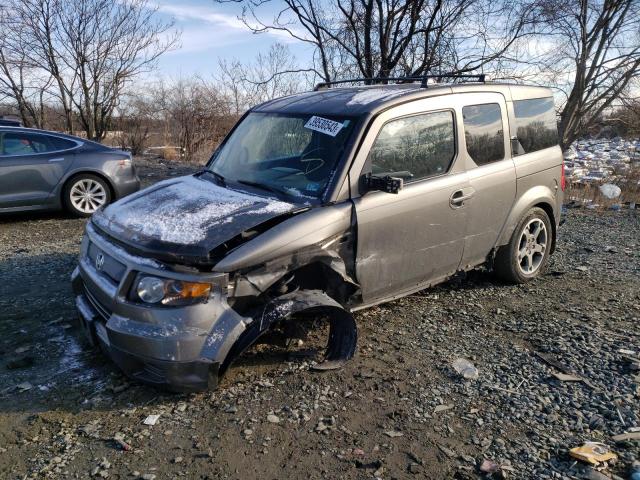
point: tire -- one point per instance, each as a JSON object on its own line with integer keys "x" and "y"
{"x": 526, "y": 255}
{"x": 84, "y": 194}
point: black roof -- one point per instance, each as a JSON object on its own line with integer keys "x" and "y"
{"x": 349, "y": 101}
{"x": 5, "y": 122}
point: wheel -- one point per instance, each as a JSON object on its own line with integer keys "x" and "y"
{"x": 527, "y": 253}
{"x": 84, "y": 194}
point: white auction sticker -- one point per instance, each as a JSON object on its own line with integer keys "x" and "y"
{"x": 324, "y": 125}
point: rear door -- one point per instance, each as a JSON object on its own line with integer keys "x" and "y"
{"x": 408, "y": 239}
{"x": 490, "y": 170}
{"x": 31, "y": 165}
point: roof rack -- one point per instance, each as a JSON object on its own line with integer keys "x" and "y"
{"x": 423, "y": 79}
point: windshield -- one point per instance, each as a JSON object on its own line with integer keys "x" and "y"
{"x": 291, "y": 154}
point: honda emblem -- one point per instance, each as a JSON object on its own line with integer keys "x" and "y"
{"x": 99, "y": 261}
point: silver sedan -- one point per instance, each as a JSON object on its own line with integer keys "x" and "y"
{"x": 42, "y": 170}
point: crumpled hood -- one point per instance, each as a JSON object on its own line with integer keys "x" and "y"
{"x": 186, "y": 216}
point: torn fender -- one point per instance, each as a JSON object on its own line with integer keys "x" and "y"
{"x": 343, "y": 333}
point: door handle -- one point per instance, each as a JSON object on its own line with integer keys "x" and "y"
{"x": 457, "y": 198}
{"x": 57, "y": 159}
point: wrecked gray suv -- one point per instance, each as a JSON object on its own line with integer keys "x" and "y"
{"x": 320, "y": 204}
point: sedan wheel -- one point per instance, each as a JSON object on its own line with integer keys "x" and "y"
{"x": 86, "y": 194}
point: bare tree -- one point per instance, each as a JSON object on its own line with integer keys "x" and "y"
{"x": 269, "y": 75}
{"x": 91, "y": 49}
{"x": 597, "y": 56}
{"x": 380, "y": 38}
{"x": 193, "y": 114}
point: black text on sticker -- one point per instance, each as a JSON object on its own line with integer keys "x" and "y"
{"x": 324, "y": 125}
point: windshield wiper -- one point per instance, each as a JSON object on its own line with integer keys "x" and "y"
{"x": 264, "y": 186}
{"x": 219, "y": 178}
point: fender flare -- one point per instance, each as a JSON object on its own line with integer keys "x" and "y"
{"x": 343, "y": 332}
{"x": 535, "y": 196}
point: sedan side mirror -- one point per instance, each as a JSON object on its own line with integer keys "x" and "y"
{"x": 387, "y": 183}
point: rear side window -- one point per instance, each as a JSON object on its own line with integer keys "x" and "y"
{"x": 536, "y": 124}
{"x": 483, "y": 133}
{"x": 58, "y": 143}
{"x": 415, "y": 147}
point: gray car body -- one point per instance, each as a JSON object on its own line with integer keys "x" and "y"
{"x": 36, "y": 181}
{"x": 356, "y": 248}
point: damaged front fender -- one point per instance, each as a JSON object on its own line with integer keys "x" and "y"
{"x": 343, "y": 333}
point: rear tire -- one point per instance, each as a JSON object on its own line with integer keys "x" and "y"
{"x": 527, "y": 253}
{"x": 84, "y": 194}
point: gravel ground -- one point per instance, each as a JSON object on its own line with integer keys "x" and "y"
{"x": 398, "y": 410}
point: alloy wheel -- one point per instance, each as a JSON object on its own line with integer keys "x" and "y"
{"x": 87, "y": 195}
{"x": 532, "y": 247}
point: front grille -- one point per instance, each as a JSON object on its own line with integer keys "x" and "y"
{"x": 109, "y": 266}
{"x": 103, "y": 311}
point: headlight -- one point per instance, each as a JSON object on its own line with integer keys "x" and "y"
{"x": 171, "y": 292}
{"x": 151, "y": 289}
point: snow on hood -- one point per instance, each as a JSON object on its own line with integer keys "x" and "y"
{"x": 187, "y": 211}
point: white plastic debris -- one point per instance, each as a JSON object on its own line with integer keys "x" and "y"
{"x": 151, "y": 419}
{"x": 465, "y": 368}
{"x": 24, "y": 386}
{"x": 610, "y": 190}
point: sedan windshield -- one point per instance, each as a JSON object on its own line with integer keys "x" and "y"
{"x": 295, "y": 155}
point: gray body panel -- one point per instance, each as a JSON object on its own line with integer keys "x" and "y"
{"x": 36, "y": 181}
{"x": 355, "y": 249}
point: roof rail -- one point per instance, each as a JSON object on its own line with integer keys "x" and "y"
{"x": 423, "y": 79}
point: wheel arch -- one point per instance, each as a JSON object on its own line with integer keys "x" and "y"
{"x": 72, "y": 175}
{"x": 539, "y": 196}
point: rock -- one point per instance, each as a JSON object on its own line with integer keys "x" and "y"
{"x": 177, "y": 460}
{"x": 393, "y": 433}
{"x": 271, "y": 418}
{"x": 489, "y": 466}
{"x": 592, "y": 474}
{"x": 22, "y": 362}
{"x": 442, "y": 408}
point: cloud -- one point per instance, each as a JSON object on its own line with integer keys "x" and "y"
{"x": 205, "y": 27}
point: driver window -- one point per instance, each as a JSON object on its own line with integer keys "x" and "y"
{"x": 415, "y": 147}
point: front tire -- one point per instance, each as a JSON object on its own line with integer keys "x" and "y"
{"x": 84, "y": 194}
{"x": 527, "y": 253}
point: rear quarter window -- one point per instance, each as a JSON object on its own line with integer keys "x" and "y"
{"x": 58, "y": 143}
{"x": 536, "y": 124}
{"x": 483, "y": 133}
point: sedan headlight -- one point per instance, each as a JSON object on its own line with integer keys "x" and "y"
{"x": 165, "y": 291}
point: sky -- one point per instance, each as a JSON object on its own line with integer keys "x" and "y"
{"x": 212, "y": 31}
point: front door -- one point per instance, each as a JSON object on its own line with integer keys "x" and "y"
{"x": 30, "y": 168}
{"x": 417, "y": 236}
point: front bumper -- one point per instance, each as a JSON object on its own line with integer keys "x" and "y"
{"x": 179, "y": 348}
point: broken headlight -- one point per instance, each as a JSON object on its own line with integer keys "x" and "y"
{"x": 165, "y": 291}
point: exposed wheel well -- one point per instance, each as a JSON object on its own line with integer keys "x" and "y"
{"x": 112, "y": 190}
{"x": 549, "y": 211}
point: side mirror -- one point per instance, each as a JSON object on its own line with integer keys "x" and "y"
{"x": 387, "y": 183}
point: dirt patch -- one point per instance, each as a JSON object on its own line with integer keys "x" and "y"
{"x": 397, "y": 410}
